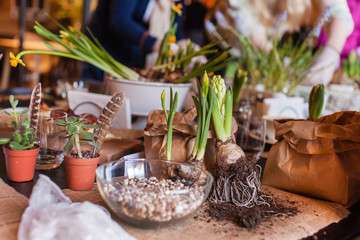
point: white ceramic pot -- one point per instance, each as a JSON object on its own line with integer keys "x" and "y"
{"x": 146, "y": 96}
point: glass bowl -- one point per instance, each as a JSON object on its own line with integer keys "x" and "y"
{"x": 140, "y": 191}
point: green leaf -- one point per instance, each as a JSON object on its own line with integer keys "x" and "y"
{"x": 69, "y": 145}
{"x": 17, "y": 146}
{"x": 17, "y": 138}
{"x": 96, "y": 145}
{"x": 86, "y": 135}
{"x": 4, "y": 140}
{"x": 25, "y": 111}
{"x": 9, "y": 113}
{"x": 91, "y": 126}
{"x": 72, "y": 119}
{"x": 15, "y": 103}
{"x": 71, "y": 129}
{"x": 60, "y": 122}
{"x": 55, "y": 135}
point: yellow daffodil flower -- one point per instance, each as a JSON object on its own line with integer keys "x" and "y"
{"x": 14, "y": 60}
{"x": 170, "y": 53}
{"x": 64, "y": 40}
{"x": 171, "y": 39}
{"x": 177, "y": 8}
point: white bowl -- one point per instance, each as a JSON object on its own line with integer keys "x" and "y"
{"x": 146, "y": 96}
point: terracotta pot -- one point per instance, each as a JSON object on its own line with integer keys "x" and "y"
{"x": 20, "y": 164}
{"x": 80, "y": 173}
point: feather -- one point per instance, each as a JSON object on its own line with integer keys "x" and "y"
{"x": 35, "y": 106}
{"x": 105, "y": 118}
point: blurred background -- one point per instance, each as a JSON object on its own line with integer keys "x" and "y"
{"x": 16, "y": 33}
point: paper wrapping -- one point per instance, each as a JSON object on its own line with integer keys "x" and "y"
{"x": 184, "y": 133}
{"x": 317, "y": 158}
{"x": 184, "y": 128}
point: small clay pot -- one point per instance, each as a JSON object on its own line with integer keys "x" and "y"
{"x": 20, "y": 164}
{"x": 80, "y": 173}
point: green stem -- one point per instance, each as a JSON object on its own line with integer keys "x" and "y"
{"x": 77, "y": 146}
{"x": 170, "y": 124}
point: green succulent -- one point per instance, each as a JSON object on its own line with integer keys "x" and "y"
{"x": 23, "y": 137}
{"x": 74, "y": 127}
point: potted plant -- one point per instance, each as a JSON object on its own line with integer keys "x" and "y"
{"x": 81, "y": 163}
{"x": 274, "y": 74}
{"x": 170, "y": 70}
{"x": 20, "y": 149}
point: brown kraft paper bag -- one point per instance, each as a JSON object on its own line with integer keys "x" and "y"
{"x": 184, "y": 133}
{"x": 319, "y": 158}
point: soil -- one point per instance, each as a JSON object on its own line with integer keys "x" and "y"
{"x": 250, "y": 217}
{"x": 149, "y": 75}
{"x": 238, "y": 174}
{"x": 86, "y": 155}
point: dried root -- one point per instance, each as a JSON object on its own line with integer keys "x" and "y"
{"x": 236, "y": 180}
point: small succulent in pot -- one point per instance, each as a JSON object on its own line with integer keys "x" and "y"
{"x": 23, "y": 136}
{"x": 74, "y": 127}
{"x": 20, "y": 150}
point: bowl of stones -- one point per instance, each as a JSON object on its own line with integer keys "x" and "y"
{"x": 152, "y": 193}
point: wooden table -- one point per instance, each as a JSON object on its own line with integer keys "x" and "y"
{"x": 348, "y": 228}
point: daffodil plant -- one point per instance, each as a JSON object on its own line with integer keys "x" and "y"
{"x": 204, "y": 109}
{"x": 169, "y": 119}
{"x": 169, "y": 62}
{"x": 23, "y": 137}
{"x": 76, "y": 45}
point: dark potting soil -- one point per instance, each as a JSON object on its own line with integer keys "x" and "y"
{"x": 250, "y": 217}
{"x": 149, "y": 75}
{"x": 239, "y": 172}
{"x": 85, "y": 155}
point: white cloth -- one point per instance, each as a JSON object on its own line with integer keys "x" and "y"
{"x": 51, "y": 215}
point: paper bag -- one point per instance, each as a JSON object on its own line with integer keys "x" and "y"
{"x": 318, "y": 158}
{"x": 184, "y": 133}
{"x": 184, "y": 129}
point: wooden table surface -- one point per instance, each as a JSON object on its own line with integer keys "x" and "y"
{"x": 348, "y": 228}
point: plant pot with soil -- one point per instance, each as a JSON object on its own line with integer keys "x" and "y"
{"x": 81, "y": 163}
{"x": 176, "y": 65}
{"x": 20, "y": 149}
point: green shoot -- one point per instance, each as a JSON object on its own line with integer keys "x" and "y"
{"x": 240, "y": 79}
{"x": 169, "y": 119}
{"x": 222, "y": 109}
{"x": 316, "y": 101}
{"x": 203, "y": 108}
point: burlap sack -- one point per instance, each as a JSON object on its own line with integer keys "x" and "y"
{"x": 319, "y": 158}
